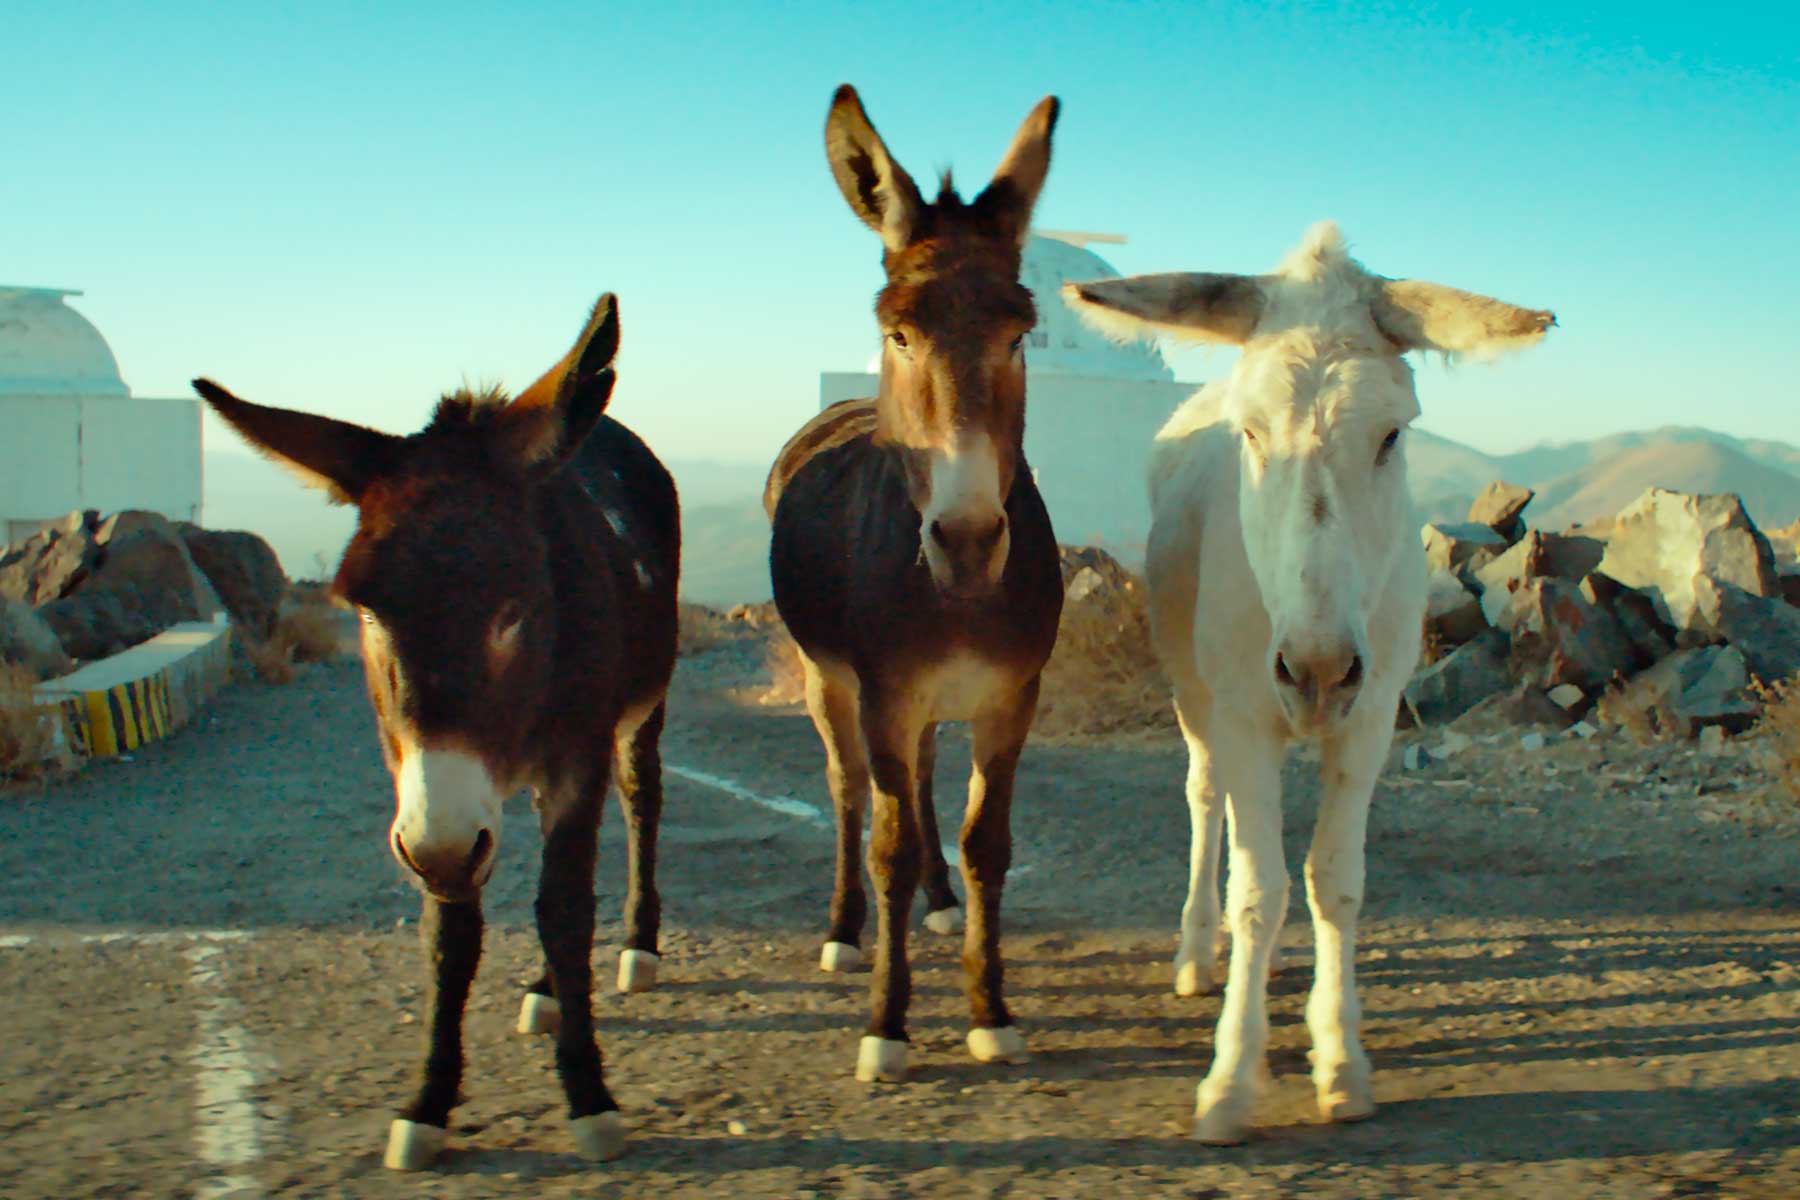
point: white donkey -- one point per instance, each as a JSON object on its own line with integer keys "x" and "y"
{"x": 1287, "y": 591}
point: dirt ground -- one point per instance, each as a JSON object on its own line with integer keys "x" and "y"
{"x": 1580, "y": 969}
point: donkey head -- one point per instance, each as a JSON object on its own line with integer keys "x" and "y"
{"x": 954, "y": 318}
{"x": 451, "y": 578}
{"x": 1319, "y": 400}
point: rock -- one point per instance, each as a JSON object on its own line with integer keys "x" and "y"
{"x": 26, "y": 640}
{"x": 1521, "y": 562}
{"x": 1652, "y": 637}
{"x": 1498, "y": 507}
{"x": 1108, "y": 573}
{"x": 51, "y": 562}
{"x": 1452, "y": 744}
{"x": 1582, "y": 730}
{"x": 1765, "y": 631}
{"x": 1511, "y": 709}
{"x": 96, "y": 623}
{"x": 1415, "y": 758}
{"x": 244, "y": 571}
{"x": 1664, "y": 542}
{"x": 142, "y": 582}
{"x": 1566, "y": 696}
{"x": 1690, "y": 689}
{"x": 1460, "y": 548}
{"x": 1558, "y": 637}
{"x": 1532, "y": 741}
{"x": 1540, "y": 555}
{"x": 1452, "y": 613}
{"x": 1458, "y": 681}
{"x": 1712, "y": 740}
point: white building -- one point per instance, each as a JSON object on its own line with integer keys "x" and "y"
{"x": 1092, "y": 406}
{"x": 72, "y": 436}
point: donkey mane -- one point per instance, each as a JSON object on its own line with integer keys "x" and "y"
{"x": 469, "y": 407}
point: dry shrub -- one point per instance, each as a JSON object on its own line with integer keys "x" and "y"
{"x": 1104, "y": 678}
{"x": 1641, "y": 708}
{"x": 1781, "y": 725}
{"x": 309, "y": 629}
{"x": 787, "y": 675}
{"x": 699, "y": 629}
{"x": 28, "y": 742}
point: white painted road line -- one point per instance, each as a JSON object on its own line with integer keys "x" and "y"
{"x": 224, "y": 1114}
{"x": 787, "y": 806}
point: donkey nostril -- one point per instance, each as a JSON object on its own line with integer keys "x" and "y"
{"x": 484, "y": 845}
{"x": 1353, "y": 676}
{"x": 988, "y": 540}
{"x": 1282, "y": 674}
{"x": 938, "y": 535}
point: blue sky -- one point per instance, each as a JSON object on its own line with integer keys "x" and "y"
{"x": 352, "y": 208}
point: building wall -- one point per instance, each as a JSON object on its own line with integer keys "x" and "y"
{"x": 59, "y": 453}
{"x": 1088, "y": 440}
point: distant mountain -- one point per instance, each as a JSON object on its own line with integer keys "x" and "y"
{"x": 1603, "y": 487}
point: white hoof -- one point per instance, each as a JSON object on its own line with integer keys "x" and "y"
{"x": 599, "y": 1138}
{"x": 840, "y": 956}
{"x": 637, "y": 970}
{"x": 945, "y": 920}
{"x": 1344, "y": 1093}
{"x": 412, "y": 1147}
{"x": 539, "y": 1014}
{"x": 1001, "y": 1044}
{"x": 879, "y": 1060}
{"x": 1193, "y": 979}
{"x": 1221, "y": 1119}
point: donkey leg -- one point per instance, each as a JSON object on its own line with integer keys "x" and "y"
{"x": 1334, "y": 890}
{"x": 451, "y": 934}
{"x": 998, "y": 738}
{"x": 833, "y": 710}
{"x": 565, "y": 921}
{"x": 942, "y": 914}
{"x": 639, "y": 757}
{"x": 1248, "y": 761}
{"x": 895, "y": 858}
{"x": 1199, "y": 947}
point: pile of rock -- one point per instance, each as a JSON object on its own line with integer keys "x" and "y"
{"x": 88, "y": 586}
{"x": 1668, "y": 612}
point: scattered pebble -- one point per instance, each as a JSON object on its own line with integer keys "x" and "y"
{"x": 736, "y": 1128}
{"x": 1532, "y": 741}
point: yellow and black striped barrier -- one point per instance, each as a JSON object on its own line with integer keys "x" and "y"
{"x": 114, "y": 705}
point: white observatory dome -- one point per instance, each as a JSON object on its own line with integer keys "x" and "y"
{"x": 1061, "y": 344}
{"x": 49, "y": 349}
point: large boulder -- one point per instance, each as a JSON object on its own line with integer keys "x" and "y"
{"x": 1090, "y": 571}
{"x": 51, "y": 562}
{"x": 1766, "y": 631}
{"x": 1689, "y": 690}
{"x": 244, "y": 571}
{"x": 1459, "y": 681}
{"x": 143, "y": 582}
{"x": 96, "y": 623}
{"x": 1499, "y": 507}
{"x": 1461, "y": 548}
{"x": 1652, "y": 637}
{"x": 1666, "y": 542}
{"x": 26, "y": 640}
{"x": 1452, "y": 612}
{"x": 1558, "y": 637}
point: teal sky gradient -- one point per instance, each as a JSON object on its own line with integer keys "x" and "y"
{"x": 353, "y": 208}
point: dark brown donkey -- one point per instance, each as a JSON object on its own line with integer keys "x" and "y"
{"x": 914, "y": 564}
{"x": 514, "y": 565}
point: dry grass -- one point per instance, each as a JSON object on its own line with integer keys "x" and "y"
{"x": 309, "y": 629}
{"x": 1781, "y": 725}
{"x": 787, "y": 676}
{"x": 1103, "y": 678}
{"x": 1641, "y": 708}
{"x": 28, "y": 742}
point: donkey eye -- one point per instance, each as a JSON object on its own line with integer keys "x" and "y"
{"x": 898, "y": 338}
{"x": 1017, "y": 345}
{"x": 1387, "y": 446}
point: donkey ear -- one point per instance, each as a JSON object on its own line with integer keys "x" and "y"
{"x": 877, "y": 188}
{"x": 546, "y": 423}
{"x": 1416, "y": 315}
{"x": 1190, "y": 306}
{"x": 1013, "y": 192}
{"x": 335, "y": 456}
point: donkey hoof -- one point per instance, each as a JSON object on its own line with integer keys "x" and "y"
{"x": 1345, "y": 1107}
{"x": 1220, "y": 1127}
{"x": 539, "y": 1014}
{"x": 1003, "y": 1043}
{"x": 945, "y": 920}
{"x": 637, "y": 970}
{"x": 1194, "y": 979}
{"x": 412, "y": 1146}
{"x": 840, "y": 956}
{"x": 879, "y": 1060}
{"x": 601, "y": 1137}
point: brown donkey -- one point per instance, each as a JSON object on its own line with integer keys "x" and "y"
{"x": 514, "y": 566}
{"x": 914, "y": 563}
